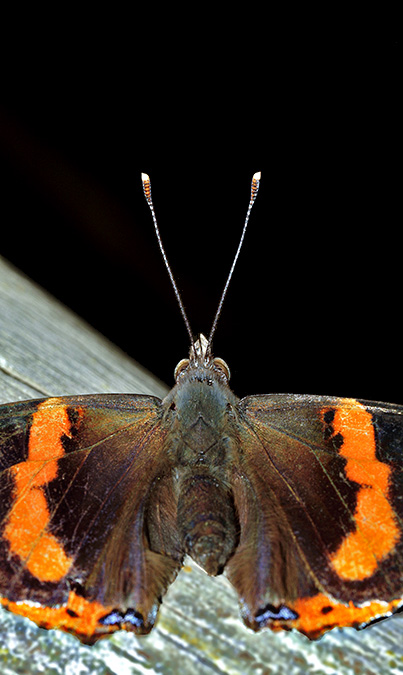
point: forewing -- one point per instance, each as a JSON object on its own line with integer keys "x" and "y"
{"x": 319, "y": 490}
{"x": 77, "y": 475}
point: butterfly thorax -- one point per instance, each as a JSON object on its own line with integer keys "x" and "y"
{"x": 201, "y": 413}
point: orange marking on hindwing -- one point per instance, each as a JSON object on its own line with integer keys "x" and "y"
{"x": 376, "y": 530}
{"x": 320, "y": 613}
{"x": 26, "y": 528}
{"x": 78, "y": 616}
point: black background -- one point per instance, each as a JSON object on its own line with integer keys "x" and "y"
{"x": 315, "y": 305}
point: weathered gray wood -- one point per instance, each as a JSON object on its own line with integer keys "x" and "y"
{"x": 46, "y": 350}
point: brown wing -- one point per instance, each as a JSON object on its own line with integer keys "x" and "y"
{"x": 76, "y": 477}
{"x": 318, "y": 489}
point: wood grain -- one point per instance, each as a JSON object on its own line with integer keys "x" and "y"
{"x": 46, "y": 350}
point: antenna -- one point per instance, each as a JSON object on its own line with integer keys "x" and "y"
{"x": 147, "y": 193}
{"x": 253, "y": 192}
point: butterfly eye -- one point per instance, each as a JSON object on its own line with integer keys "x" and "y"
{"x": 219, "y": 364}
{"x": 182, "y": 365}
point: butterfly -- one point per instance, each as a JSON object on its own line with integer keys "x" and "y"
{"x": 296, "y": 498}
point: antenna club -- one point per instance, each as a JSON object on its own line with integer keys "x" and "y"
{"x": 147, "y": 187}
{"x": 255, "y": 186}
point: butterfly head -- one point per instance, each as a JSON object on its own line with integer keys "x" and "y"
{"x": 200, "y": 356}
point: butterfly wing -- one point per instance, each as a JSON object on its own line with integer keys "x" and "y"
{"x": 318, "y": 488}
{"x": 77, "y": 523}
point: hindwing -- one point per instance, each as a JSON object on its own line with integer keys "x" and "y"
{"x": 76, "y": 479}
{"x": 318, "y": 488}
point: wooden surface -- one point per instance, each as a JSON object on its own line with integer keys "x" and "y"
{"x": 46, "y": 350}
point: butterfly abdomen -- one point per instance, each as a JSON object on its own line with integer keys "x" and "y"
{"x": 207, "y": 521}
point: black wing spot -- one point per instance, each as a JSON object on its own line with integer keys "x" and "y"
{"x": 69, "y": 442}
{"x": 328, "y": 416}
{"x": 338, "y": 441}
{"x": 73, "y": 415}
{"x": 327, "y": 609}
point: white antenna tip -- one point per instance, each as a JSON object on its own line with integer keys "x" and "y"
{"x": 257, "y": 175}
{"x": 145, "y": 177}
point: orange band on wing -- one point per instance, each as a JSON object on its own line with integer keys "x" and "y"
{"x": 320, "y": 613}
{"x": 376, "y": 529}
{"x": 78, "y": 616}
{"x": 26, "y": 528}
